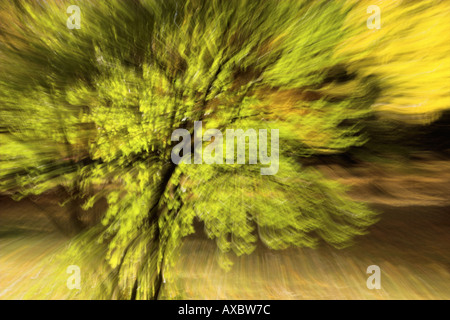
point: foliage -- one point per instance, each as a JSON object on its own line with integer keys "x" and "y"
{"x": 93, "y": 110}
{"x": 409, "y": 55}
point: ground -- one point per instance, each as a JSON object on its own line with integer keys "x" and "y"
{"x": 410, "y": 244}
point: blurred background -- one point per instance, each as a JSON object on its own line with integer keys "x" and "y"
{"x": 86, "y": 116}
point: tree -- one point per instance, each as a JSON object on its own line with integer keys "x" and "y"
{"x": 92, "y": 110}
